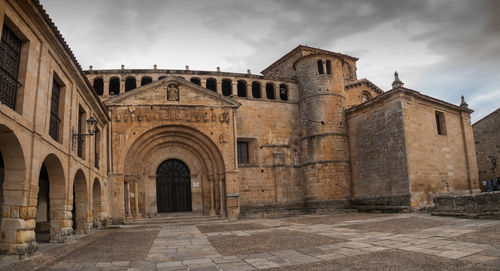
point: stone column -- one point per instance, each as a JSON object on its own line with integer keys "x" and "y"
{"x": 136, "y": 198}
{"x": 203, "y": 83}
{"x": 249, "y": 90}
{"x": 219, "y": 87}
{"x": 234, "y": 88}
{"x": 212, "y": 200}
{"x": 324, "y": 66}
{"x": 129, "y": 214}
{"x": 222, "y": 196}
{"x": 122, "y": 86}
{"x": 106, "y": 87}
{"x": 276, "y": 92}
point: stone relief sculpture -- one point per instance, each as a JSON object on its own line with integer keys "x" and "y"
{"x": 172, "y": 92}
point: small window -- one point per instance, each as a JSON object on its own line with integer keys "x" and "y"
{"x": 242, "y": 88}
{"x": 130, "y": 83}
{"x": 212, "y": 84}
{"x": 226, "y": 87}
{"x": 320, "y": 67}
{"x": 161, "y": 77}
{"x": 328, "y": 67}
{"x": 440, "y": 123}
{"x": 146, "y": 80}
{"x": 114, "y": 86}
{"x": 256, "y": 90}
{"x": 81, "y": 130}
{"x": 243, "y": 157}
{"x": 195, "y": 80}
{"x": 55, "y": 121}
{"x": 283, "y": 92}
{"x": 270, "y": 91}
{"x": 10, "y": 58}
{"x": 365, "y": 96}
{"x": 97, "y": 147}
{"x": 99, "y": 85}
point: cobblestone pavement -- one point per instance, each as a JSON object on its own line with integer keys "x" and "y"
{"x": 366, "y": 242}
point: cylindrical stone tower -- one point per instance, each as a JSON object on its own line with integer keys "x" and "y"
{"x": 325, "y": 150}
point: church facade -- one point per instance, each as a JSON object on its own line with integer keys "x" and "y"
{"x": 307, "y": 135}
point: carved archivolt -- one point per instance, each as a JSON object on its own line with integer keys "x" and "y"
{"x": 170, "y": 138}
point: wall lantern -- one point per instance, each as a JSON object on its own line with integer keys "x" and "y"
{"x": 91, "y": 125}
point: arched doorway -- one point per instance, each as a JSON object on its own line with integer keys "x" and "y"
{"x": 80, "y": 206}
{"x": 42, "y": 228}
{"x": 96, "y": 203}
{"x": 173, "y": 187}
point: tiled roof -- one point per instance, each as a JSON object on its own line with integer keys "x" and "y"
{"x": 68, "y": 50}
{"x": 408, "y": 91}
{"x": 358, "y": 82}
{"x": 487, "y": 116}
{"x": 289, "y": 54}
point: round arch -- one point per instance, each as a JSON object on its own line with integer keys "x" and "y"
{"x": 12, "y": 176}
{"x": 97, "y": 203}
{"x": 187, "y": 144}
{"x": 80, "y": 211}
{"x": 51, "y": 200}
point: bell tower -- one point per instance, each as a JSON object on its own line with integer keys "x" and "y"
{"x": 325, "y": 150}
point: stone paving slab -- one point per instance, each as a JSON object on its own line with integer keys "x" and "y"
{"x": 285, "y": 245}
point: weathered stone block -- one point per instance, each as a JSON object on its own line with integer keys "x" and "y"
{"x": 13, "y": 224}
{"x": 25, "y": 236}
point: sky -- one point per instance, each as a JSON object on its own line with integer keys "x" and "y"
{"x": 441, "y": 48}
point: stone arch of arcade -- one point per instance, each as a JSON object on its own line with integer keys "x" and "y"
{"x": 195, "y": 149}
{"x": 13, "y": 193}
{"x": 81, "y": 214}
{"x": 52, "y": 206}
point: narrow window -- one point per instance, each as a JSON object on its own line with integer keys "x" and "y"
{"x": 440, "y": 123}
{"x": 328, "y": 67}
{"x": 320, "y": 67}
{"x": 195, "y": 80}
{"x": 283, "y": 92}
{"x": 243, "y": 152}
{"x": 256, "y": 93}
{"x": 99, "y": 86}
{"x": 10, "y": 56}
{"x": 242, "y": 88}
{"x": 146, "y": 80}
{"x": 212, "y": 84}
{"x": 54, "y": 111}
{"x": 130, "y": 83}
{"x": 81, "y": 130}
{"x": 161, "y": 77}
{"x": 365, "y": 96}
{"x": 270, "y": 91}
{"x": 226, "y": 87}
{"x": 97, "y": 147}
{"x": 114, "y": 86}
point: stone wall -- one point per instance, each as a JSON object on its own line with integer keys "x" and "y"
{"x": 378, "y": 155}
{"x": 484, "y": 205}
{"x": 487, "y": 141}
{"x": 437, "y": 163}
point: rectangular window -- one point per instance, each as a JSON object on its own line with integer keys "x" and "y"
{"x": 440, "y": 123}
{"x": 54, "y": 111}
{"x": 10, "y": 56}
{"x": 97, "y": 147}
{"x": 81, "y": 130}
{"x": 243, "y": 152}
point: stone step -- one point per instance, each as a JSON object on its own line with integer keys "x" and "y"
{"x": 176, "y": 219}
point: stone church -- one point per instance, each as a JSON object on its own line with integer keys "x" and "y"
{"x": 82, "y": 148}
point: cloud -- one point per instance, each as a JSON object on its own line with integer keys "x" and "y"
{"x": 441, "y": 48}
